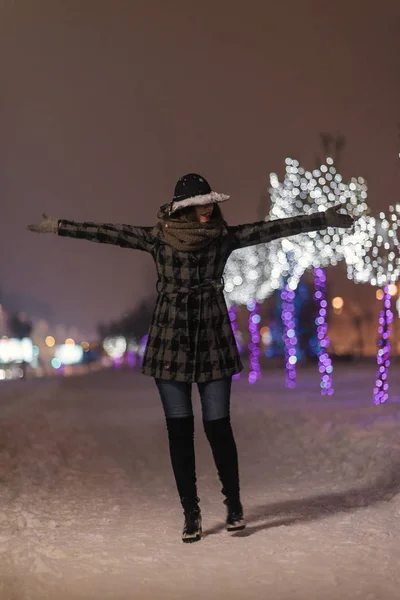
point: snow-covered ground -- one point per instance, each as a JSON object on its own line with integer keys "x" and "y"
{"x": 88, "y": 507}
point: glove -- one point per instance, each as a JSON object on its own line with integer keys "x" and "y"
{"x": 336, "y": 219}
{"x": 48, "y": 225}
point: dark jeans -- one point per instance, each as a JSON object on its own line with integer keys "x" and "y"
{"x": 176, "y": 397}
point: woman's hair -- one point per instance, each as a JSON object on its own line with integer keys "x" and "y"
{"x": 188, "y": 214}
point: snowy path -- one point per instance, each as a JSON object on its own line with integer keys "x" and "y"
{"x": 89, "y": 508}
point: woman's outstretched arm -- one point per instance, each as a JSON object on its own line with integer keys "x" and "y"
{"x": 263, "y": 232}
{"x": 126, "y": 236}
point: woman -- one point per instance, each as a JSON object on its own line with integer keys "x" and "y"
{"x": 190, "y": 338}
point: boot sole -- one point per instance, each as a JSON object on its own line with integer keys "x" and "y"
{"x": 191, "y": 540}
{"x": 237, "y": 527}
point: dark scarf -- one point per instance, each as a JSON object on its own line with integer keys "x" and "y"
{"x": 191, "y": 236}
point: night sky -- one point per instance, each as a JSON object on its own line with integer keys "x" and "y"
{"x": 104, "y": 104}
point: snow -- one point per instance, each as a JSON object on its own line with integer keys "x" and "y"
{"x": 88, "y": 506}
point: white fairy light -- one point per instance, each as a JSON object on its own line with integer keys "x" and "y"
{"x": 302, "y": 192}
{"x": 370, "y": 249}
{"x": 375, "y": 258}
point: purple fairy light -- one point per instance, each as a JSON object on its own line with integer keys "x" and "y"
{"x": 254, "y": 344}
{"x": 383, "y": 356}
{"x": 289, "y": 334}
{"x": 117, "y": 362}
{"x": 142, "y": 348}
{"x": 131, "y": 358}
{"x": 235, "y": 329}
{"x": 324, "y": 360}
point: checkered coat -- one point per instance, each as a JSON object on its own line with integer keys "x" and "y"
{"x": 190, "y": 337}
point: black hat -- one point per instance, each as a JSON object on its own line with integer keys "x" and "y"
{"x": 191, "y": 190}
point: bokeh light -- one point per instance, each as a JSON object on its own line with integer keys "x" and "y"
{"x": 370, "y": 249}
{"x": 56, "y": 363}
{"x": 50, "y": 341}
{"x": 337, "y": 302}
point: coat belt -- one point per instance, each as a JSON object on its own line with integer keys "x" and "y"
{"x": 164, "y": 287}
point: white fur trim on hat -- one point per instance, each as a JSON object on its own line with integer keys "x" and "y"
{"x": 200, "y": 200}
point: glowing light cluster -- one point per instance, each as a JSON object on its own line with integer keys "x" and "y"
{"x": 306, "y": 192}
{"x": 378, "y": 263}
{"x": 115, "y": 346}
{"x": 254, "y": 343}
{"x": 68, "y": 354}
{"x": 289, "y": 334}
{"x": 383, "y": 357}
{"x": 16, "y": 350}
{"x": 376, "y": 260}
{"x": 324, "y": 360}
{"x": 370, "y": 249}
{"x": 252, "y": 272}
{"x": 257, "y": 271}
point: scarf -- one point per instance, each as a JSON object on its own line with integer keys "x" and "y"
{"x": 188, "y": 237}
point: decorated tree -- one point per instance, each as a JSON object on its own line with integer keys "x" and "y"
{"x": 254, "y": 273}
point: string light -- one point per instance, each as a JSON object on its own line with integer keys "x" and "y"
{"x": 324, "y": 360}
{"x": 383, "y": 357}
{"x": 131, "y": 354}
{"x": 289, "y": 334}
{"x": 376, "y": 259}
{"x": 142, "y": 348}
{"x": 235, "y": 329}
{"x": 379, "y": 264}
{"x": 370, "y": 248}
{"x": 258, "y": 271}
{"x": 254, "y": 343}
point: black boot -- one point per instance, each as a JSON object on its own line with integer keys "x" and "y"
{"x": 220, "y": 436}
{"x": 181, "y": 446}
{"x": 192, "y": 529}
{"x": 234, "y": 518}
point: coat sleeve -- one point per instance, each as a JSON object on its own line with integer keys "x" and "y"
{"x": 126, "y": 236}
{"x": 263, "y": 232}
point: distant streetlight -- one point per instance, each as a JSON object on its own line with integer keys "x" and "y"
{"x": 338, "y": 303}
{"x": 50, "y": 341}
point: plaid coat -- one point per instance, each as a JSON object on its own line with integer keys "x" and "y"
{"x": 190, "y": 336}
